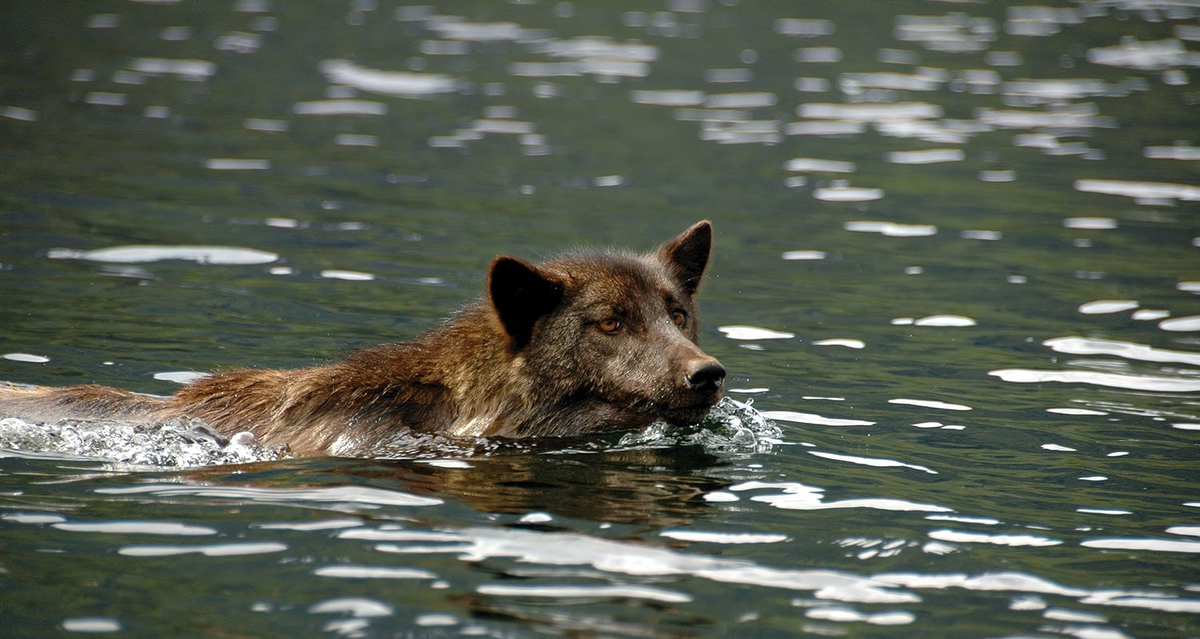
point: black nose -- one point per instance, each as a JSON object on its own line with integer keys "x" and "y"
{"x": 705, "y": 375}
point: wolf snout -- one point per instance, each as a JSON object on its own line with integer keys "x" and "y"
{"x": 705, "y": 375}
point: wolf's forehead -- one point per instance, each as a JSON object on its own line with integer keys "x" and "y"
{"x": 617, "y": 278}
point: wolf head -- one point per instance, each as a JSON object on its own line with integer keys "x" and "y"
{"x": 611, "y": 337}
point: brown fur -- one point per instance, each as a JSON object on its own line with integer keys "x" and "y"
{"x": 531, "y": 359}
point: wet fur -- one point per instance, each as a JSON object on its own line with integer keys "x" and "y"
{"x": 528, "y": 360}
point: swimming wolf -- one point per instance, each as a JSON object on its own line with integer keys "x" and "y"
{"x": 589, "y": 342}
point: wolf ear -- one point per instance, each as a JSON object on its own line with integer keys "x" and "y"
{"x": 687, "y": 255}
{"x": 521, "y": 294}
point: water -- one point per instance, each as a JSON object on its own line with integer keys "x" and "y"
{"x": 955, "y": 272}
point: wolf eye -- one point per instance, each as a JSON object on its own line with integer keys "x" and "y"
{"x": 679, "y": 317}
{"x": 612, "y": 325}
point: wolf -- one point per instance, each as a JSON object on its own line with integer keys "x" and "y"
{"x": 589, "y": 342}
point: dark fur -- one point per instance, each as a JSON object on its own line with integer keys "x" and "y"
{"x": 531, "y": 359}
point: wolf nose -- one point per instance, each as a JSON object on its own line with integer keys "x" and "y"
{"x": 705, "y": 375}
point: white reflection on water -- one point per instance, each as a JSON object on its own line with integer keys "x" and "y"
{"x": 1091, "y": 346}
{"x": 372, "y": 572}
{"x": 871, "y": 461}
{"x": 925, "y": 403}
{"x": 357, "y": 497}
{"x": 843, "y": 614}
{"x": 999, "y": 540}
{"x": 724, "y": 538}
{"x": 806, "y": 165}
{"x": 187, "y": 69}
{"x": 397, "y": 83}
{"x": 927, "y": 156}
{"x": 1181, "y": 324}
{"x": 91, "y": 624}
{"x": 945, "y": 321}
{"x": 749, "y": 333}
{"x": 812, "y": 418}
{"x": 804, "y": 255}
{"x": 1090, "y": 223}
{"x": 1159, "y": 384}
{"x": 1147, "y": 56}
{"x": 25, "y": 357}
{"x": 797, "y": 496}
{"x": 345, "y": 106}
{"x": 675, "y": 98}
{"x": 1156, "y": 545}
{"x": 136, "y": 527}
{"x": 871, "y": 112}
{"x": 566, "y": 591}
{"x": 1100, "y": 307}
{"x": 350, "y": 276}
{"x": 151, "y": 253}
{"x": 1141, "y": 191}
{"x": 211, "y": 550}
{"x": 846, "y": 342}
{"x": 237, "y": 164}
{"x": 626, "y": 558}
{"x": 891, "y": 229}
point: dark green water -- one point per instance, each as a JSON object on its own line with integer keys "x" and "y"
{"x": 983, "y": 478}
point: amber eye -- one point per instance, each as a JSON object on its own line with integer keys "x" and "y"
{"x": 612, "y": 325}
{"x": 679, "y": 317}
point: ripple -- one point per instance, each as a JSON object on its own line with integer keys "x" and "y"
{"x": 925, "y": 403}
{"x": 1075, "y": 411}
{"x": 353, "y": 606}
{"x": 848, "y": 194}
{"x": 801, "y": 255}
{"x": 891, "y": 229}
{"x": 350, "y": 276}
{"x": 1151, "y": 191}
{"x": 91, "y": 624}
{"x": 1132, "y": 53}
{"x": 1181, "y": 324}
{"x": 814, "y": 165}
{"x": 236, "y": 164}
{"x": 875, "y": 462}
{"x": 1110, "y": 380}
{"x": 1101, "y": 307}
{"x": 627, "y": 558}
{"x": 812, "y": 418}
{"x": 797, "y": 496}
{"x": 181, "y": 377}
{"x": 848, "y": 343}
{"x": 838, "y": 613}
{"x": 751, "y": 333}
{"x": 724, "y": 538}
{"x": 189, "y": 69}
{"x": 1090, "y": 223}
{"x": 344, "y": 495}
{"x": 565, "y": 591}
{"x": 214, "y": 550}
{"x": 136, "y": 527}
{"x": 340, "y": 107}
{"x": 372, "y": 572}
{"x": 928, "y": 156}
{"x": 28, "y": 358}
{"x": 396, "y": 83}
{"x": 669, "y": 97}
{"x": 1131, "y": 543}
{"x": 224, "y": 255}
{"x": 876, "y": 112}
{"x": 19, "y": 113}
{"x": 1128, "y": 350}
{"x": 945, "y": 321}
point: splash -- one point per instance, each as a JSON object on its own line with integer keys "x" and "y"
{"x": 178, "y": 443}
